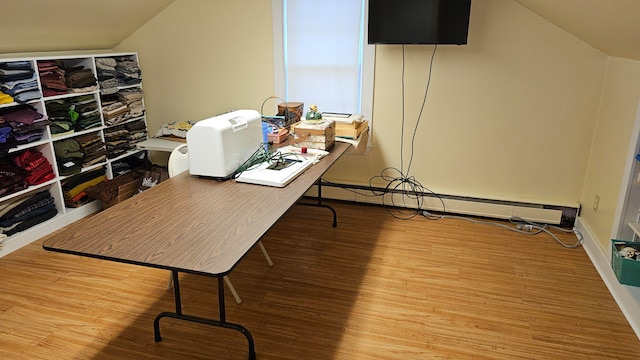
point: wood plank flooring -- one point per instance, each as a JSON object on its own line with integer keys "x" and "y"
{"x": 375, "y": 287}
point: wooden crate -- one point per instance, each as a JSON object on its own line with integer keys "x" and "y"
{"x": 351, "y": 130}
{"x": 125, "y": 191}
{"x": 314, "y": 135}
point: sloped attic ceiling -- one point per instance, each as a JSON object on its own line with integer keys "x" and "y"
{"x": 59, "y": 25}
{"x": 611, "y": 26}
{"x": 56, "y": 25}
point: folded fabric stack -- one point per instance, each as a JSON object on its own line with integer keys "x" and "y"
{"x": 93, "y": 149}
{"x": 115, "y": 72}
{"x": 37, "y": 167}
{"x": 73, "y": 114}
{"x": 79, "y": 79}
{"x": 20, "y": 124}
{"x": 122, "y": 138}
{"x": 86, "y": 107}
{"x": 26, "y": 133}
{"x": 60, "y": 117}
{"x": 52, "y": 78}
{"x": 107, "y": 76}
{"x": 116, "y": 139}
{"x": 127, "y": 70}
{"x": 74, "y": 189}
{"x": 114, "y": 111}
{"x": 5, "y": 133}
{"x": 122, "y": 106}
{"x": 20, "y": 170}
{"x": 23, "y": 212}
{"x": 120, "y": 167}
{"x": 175, "y": 129}
{"x": 21, "y": 84}
{"x": 132, "y": 97}
{"x": 68, "y": 156}
{"x": 20, "y": 113}
{"x": 6, "y": 98}
{"x": 15, "y": 70}
{"x": 137, "y": 132}
{"x": 12, "y": 178}
{"x": 134, "y": 162}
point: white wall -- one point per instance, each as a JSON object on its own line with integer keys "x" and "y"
{"x": 200, "y": 58}
{"x": 608, "y": 155}
{"x": 511, "y": 115}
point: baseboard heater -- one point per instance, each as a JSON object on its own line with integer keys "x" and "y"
{"x": 562, "y": 215}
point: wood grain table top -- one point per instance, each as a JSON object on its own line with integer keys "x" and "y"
{"x": 187, "y": 223}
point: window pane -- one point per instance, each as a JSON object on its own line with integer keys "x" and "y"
{"x": 323, "y": 53}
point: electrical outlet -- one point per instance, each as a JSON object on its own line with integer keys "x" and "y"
{"x": 596, "y": 203}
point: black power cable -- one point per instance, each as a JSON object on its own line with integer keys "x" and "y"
{"x": 400, "y": 181}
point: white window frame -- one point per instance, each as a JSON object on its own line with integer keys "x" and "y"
{"x": 368, "y": 63}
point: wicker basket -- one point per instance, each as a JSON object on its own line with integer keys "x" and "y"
{"x": 293, "y": 108}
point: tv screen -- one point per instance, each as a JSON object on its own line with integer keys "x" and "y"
{"x": 419, "y": 21}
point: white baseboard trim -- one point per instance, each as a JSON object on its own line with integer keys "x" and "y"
{"x": 627, "y": 297}
{"x": 537, "y": 211}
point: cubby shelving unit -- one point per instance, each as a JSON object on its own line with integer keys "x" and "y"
{"x": 45, "y": 145}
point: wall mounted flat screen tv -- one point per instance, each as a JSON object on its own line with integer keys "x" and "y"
{"x": 419, "y": 21}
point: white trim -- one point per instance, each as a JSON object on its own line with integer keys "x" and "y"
{"x": 278, "y": 48}
{"x": 627, "y": 297}
{"x": 619, "y": 220}
{"x": 368, "y": 77}
{"x": 540, "y": 212}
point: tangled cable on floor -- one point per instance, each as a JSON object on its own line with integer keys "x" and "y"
{"x": 411, "y": 192}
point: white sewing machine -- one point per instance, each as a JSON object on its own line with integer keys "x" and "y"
{"x": 220, "y": 144}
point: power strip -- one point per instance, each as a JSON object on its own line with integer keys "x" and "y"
{"x": 525, "y": 227}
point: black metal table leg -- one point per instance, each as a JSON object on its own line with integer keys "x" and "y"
{"x": 320, "y": 204}
{"x": 220, "y": 323}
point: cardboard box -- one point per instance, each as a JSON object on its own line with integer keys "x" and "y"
{"x": 627, "y": 270}
{"x": 278, "y": 136}
{"x": 314, "y": 135}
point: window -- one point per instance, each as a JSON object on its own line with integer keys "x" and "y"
{"x": 321, "y": 56}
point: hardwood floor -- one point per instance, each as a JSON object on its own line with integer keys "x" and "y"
{"x": 375, "y": 287}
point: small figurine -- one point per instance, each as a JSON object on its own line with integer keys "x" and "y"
{"x": 313, "y": 114}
